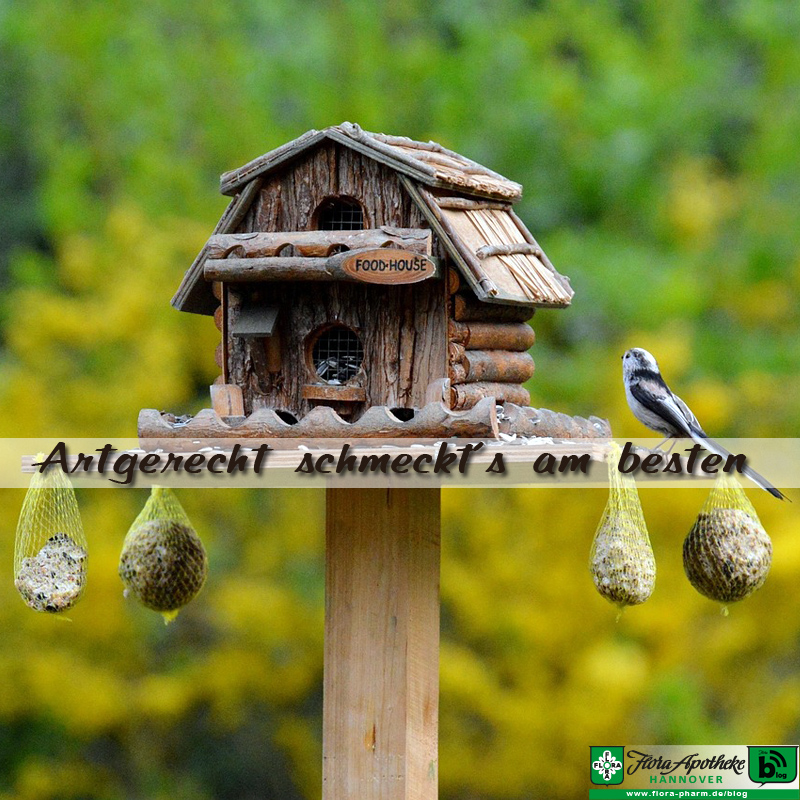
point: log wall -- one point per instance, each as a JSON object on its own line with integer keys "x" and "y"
{"x": 487, "y": 351}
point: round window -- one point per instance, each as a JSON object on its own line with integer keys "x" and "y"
{"x": 337, "y": 354}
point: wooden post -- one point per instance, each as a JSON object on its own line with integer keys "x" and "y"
{"x": 381, "y": 700}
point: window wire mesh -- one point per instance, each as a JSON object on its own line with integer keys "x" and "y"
{"x": 340, "y": 215}
{"x": 337, "y": 355}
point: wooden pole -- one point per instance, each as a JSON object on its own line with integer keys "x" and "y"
{"x": 381, "y": 695}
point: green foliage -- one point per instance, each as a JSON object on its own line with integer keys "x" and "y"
{"x": 657, "y": 146}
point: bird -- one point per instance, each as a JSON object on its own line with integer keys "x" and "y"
{"x": 655, "y": 405}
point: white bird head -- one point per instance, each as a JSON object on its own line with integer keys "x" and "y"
{"x": 637, "y": 359}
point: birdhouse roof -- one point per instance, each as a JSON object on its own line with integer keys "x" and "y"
{"x": 466, "y": 205}
{"x": 425, "y": 162}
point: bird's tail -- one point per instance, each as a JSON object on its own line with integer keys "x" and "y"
{"x": 719, "y": 450}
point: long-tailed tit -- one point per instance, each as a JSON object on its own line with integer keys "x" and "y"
{"x": 654, "y": 405}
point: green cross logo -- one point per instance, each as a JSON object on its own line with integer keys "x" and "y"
{"x": 606, "y": 765}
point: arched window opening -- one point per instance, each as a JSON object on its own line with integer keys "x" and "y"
{"x": 339, "y": 214}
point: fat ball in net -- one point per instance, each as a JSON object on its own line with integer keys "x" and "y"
{"x": 163, "y": 562}
{"x": 727, "y": 553}
{"x": 50, "y": 550}
{"x": 621, "y": 561}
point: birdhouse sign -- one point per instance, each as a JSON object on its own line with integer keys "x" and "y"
{"x": 386, "y": 265}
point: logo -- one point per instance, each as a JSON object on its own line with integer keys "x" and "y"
{"x": 607, "y": 764}
{"x": 772, "y": 764}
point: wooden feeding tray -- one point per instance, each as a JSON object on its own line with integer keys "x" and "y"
{"x": 434, "y": 421}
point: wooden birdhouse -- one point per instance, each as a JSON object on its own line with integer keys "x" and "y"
{"x": 367, "y": 285}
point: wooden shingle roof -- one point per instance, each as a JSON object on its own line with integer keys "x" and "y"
{"x": 425, "y": 162}
{"x": 468, "y": 206}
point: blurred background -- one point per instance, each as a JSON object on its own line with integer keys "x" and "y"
{"x": 658, "y": 148}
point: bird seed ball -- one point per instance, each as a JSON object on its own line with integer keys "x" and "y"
{"x": 727, "y": 555}
{"x": 164, "y": 564}
{"x": 53, "y": 580}
{"x": 622, "y": 563}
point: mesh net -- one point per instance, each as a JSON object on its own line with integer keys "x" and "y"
{"x": 337, "y": 354}
{"x": 50, "y": 550}
{"x": 621, "y": 561}
{"x": 727, "y": 553}
{"x": 163, "y": 562}
{"x": 340, "y": 214}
